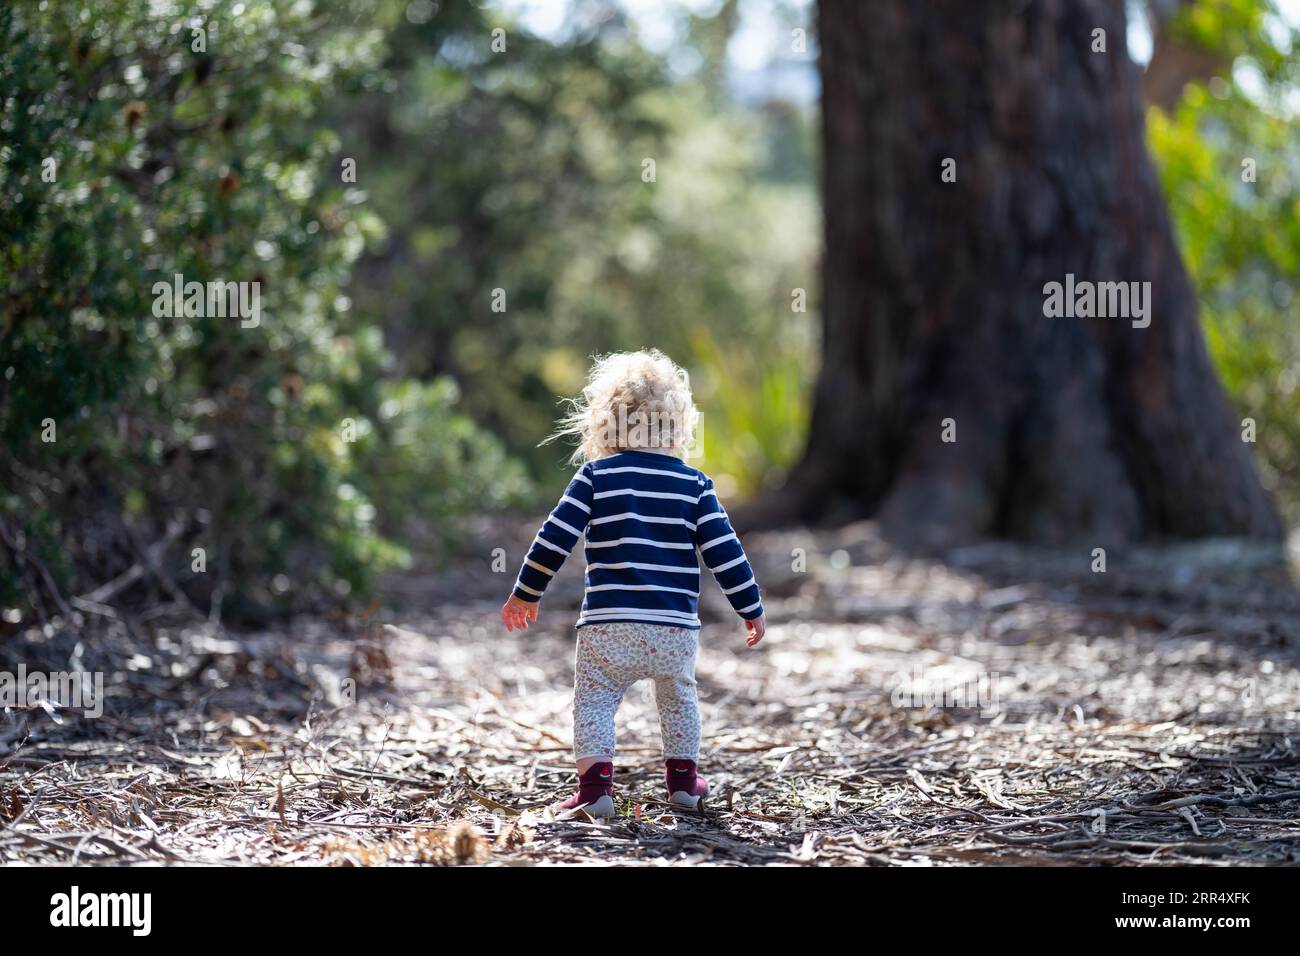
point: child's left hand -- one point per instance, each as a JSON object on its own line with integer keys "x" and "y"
{"x": 516, "y": 613}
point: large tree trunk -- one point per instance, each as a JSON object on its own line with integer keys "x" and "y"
{"x": 1067, "y": 428}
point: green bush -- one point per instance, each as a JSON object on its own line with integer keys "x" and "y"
{"x": 174, "y": 433}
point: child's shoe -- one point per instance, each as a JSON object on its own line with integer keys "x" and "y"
{"x": 595, "y": 792}
{"x": 686, "y": 788}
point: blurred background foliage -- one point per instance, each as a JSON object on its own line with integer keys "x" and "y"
{"x": 476, "y": 170}
{"x": 523, "y": 172}
{"x": 1229, "y": 155}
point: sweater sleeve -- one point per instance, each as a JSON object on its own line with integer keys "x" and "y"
{"x": 556, "y": 537}
{"x": 723, "y": 554}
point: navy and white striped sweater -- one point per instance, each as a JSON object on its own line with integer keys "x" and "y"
{"x": 645, "y": 516}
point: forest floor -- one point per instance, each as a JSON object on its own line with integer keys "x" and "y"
{"x": 1146, "y": 715}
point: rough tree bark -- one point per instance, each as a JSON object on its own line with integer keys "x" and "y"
{"x": 933, "y": 303}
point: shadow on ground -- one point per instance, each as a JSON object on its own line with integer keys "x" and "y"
{"x": 1000, "y": 706}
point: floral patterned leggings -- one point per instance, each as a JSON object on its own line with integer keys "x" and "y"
{"x": 611, "y": 658}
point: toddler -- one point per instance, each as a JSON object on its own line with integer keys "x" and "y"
{"x": 645, "y": 515}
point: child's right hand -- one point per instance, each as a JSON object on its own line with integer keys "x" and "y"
{"x": 516, "y": 613}
{"x": 756, "y": 628}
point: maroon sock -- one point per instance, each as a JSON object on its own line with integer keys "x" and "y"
{"x": 597, "y": 782}
{"x": 681, "y": 775}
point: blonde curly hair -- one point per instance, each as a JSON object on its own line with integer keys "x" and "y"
{"x": 632, "y": 400}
